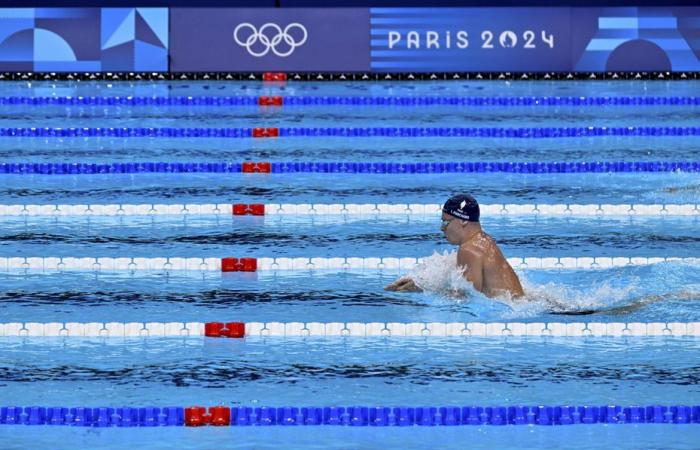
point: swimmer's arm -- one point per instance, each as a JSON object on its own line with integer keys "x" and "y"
{"x": 475, "y": 269}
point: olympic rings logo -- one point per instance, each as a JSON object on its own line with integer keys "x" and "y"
{"x": 270, "y": 37}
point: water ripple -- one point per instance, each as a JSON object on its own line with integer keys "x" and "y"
{"x": 226, "y": 372}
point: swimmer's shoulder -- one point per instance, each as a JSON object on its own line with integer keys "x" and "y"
{"x": 480, "y": 246}
{"x": 468, "y": 253}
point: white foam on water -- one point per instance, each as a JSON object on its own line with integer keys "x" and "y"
{"x": 439, "y": 274}
{"x": 556, "y": 297}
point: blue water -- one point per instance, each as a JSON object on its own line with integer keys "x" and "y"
{"x": 466, "y": 88}
{"x": 380, "y": 236}
{"x": 351, "y": 188}
{"x": 665, "y": 292}
{"x": 416, "y": 372}
{"x": 338, "y": 371}
{"x": 573, "y": 438}
{"x": 276, "y": 372}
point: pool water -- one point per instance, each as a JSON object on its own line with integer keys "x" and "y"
{"x": 348, "y": 371}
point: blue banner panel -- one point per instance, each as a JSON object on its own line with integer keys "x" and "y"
{"x": 83, "y": 39}
{"x": 504, "y": 39}
{"x": 535, "y": 39}
{"x": 635, "y": 39}
{"x": 261, "y": 39}
{"x": 470, "y": 39}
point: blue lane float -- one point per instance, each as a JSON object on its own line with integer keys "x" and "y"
{"x": 92, "y": 417}
{"x": 355, "y": 101}
{"x": 352, "y": 167}
{"x": 116, "y": 168}
{"x": 360, "y": 416}
{"x": 350, "y": 132}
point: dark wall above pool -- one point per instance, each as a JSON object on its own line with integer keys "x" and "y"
{"x": 558, "y": 39}
{"x": 337, "y": 3}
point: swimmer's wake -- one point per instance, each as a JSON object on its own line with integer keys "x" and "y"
{"x": 439, "y": 274}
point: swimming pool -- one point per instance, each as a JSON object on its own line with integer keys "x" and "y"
{"x": 620, "y": 245}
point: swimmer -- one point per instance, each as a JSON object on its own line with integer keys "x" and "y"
{"x": 485, "y": 266}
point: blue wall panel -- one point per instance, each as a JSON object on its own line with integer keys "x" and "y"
{"x": 386, "y": 39}
{"x": 83, "y": 39}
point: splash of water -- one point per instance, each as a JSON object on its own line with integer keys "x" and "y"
{"x": 439, "y": 274}
{"x": 556, "y": 297}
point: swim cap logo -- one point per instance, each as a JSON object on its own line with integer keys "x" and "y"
{"x": 463, "y": 204}
{"x": 270, "y": 38}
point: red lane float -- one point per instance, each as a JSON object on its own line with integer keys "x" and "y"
{"x": 260, "y": 132}
{"x": 254, "y": 209}
{"x": 220, "y": 416}
{"x": 239, "y": 264}
{"x": 270, "y": 101}
{"x": 220, "y": 329}
{"x": 195, "y": 416}
{"x": 274, "y": 76}
{"x": 256, "y": 167}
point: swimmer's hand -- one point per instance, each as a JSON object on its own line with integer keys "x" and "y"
{"x": 403, "y": 284}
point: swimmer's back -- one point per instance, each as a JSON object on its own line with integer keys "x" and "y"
{"x": 487, "y": 266}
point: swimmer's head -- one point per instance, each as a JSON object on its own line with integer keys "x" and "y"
{"x": 460, "y": 217}
{"x": 462, "y": 206}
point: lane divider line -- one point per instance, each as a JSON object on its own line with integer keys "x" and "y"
{"x": 374, "y": 416}
{"x": 350, "y": 132}
{"x": 408, "y": 101}
{"x": 348, "y": 329}
{"x": 344, "y": 209}
{"x": 367, "y": 168}
{"x": 306, "y": 264}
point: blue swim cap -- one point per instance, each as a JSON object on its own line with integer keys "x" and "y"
{"x": 462, "y": 206}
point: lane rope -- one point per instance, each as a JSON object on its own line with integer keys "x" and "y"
{"x": 500, "y": 101}
{"x": 396, "y": 132}
{"x": 344, "y": 209}
{"x": 347, "y": 329}
{"x": 306, "y": 264}
{"x": 196, "y": 416}
{"x": 83, "y": 168}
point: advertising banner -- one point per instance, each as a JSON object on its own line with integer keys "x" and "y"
{"x": 262, "y": 39}
{"x": 504, "y": 39}
{"x": 470, "y": 39}
{"x": 535, "y": 39}
{"x": 84, "y": 39}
